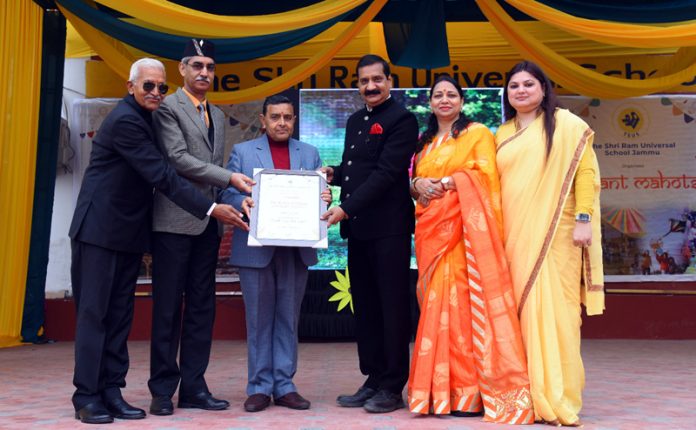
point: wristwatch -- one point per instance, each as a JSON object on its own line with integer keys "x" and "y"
{"x": 446, "y": 180}
{"x": 582, "y": 217}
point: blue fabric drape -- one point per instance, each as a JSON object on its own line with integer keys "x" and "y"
{"x": 264, "y": 7}
{"x": 651, "y": 11}
{"x": 394, "y": 11}
{"x": 421, "y": 43}
{"x": 52, "y": 65}
{"x": 170, "y": 46}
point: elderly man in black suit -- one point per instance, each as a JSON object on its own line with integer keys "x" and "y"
{"x": 110, "y": 231}
{"x": 376, "y": 215}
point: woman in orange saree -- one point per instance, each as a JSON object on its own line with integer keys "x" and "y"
{"x": 468, "y": 356}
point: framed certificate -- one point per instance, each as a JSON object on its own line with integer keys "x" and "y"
{"x": 287, "y": 207}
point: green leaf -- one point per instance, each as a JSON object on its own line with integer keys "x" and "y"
{"x": 338, "y": 296}
{"x": 343, "y": 303}
{"x": 342, "y": 287}
{"x": 343, "y": 295}
{"x": 340, "y": 277}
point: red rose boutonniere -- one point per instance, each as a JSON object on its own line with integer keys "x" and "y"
{"x": 376, "y": 129}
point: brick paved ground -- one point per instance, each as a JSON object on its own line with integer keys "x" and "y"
{"x": 631, "y": 384}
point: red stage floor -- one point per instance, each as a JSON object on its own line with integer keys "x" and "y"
{"x": 631, "y": 384}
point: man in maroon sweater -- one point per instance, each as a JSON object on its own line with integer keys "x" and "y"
{"x": 272, "y": 278}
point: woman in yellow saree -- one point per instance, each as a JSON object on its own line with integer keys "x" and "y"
{"x": 468, "y": 357}
{"x": 550, "y": 195}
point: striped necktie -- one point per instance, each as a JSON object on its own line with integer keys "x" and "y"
{"x": 201, "y": 112}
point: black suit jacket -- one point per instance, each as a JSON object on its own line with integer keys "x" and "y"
{"x": 114, "y": 207}
{"x": 373, "y": 174}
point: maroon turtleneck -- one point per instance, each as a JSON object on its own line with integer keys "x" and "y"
{"x": 280, "y": 152}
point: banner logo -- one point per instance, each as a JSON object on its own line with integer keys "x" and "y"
{"x": 631, "y": 121}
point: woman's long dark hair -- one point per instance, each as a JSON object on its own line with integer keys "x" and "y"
{"x": 459, "y": 125}
{"x": 548, "y": 104}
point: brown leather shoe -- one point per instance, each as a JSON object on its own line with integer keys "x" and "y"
{"x": 257, "y": 402}
{"x": 293, "y": 401}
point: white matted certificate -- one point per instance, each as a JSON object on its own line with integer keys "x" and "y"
{"x": 287, "y": 207}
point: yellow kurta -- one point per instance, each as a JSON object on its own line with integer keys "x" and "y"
{"x": 551, "y": 277}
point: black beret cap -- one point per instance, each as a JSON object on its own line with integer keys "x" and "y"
{"x": 199, "y": 48}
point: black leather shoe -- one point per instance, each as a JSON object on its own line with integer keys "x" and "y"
{"x": 119, "y": 408}
{"x": 203, "y": 400}
{"x": 257, "y": 402}
{"x": 384, "y": 401}
{"x": 293, "y": 401}
{"x": 161, "y": 405}
{"x": 358, "y": 399}
{"x": 94, "y": 413}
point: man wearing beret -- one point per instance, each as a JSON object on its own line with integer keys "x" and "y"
{"x": 190, "y": 132}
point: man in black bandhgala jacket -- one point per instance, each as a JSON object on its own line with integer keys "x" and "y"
{"x": 377, "y": 218}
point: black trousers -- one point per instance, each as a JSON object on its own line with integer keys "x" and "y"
{"x": 183, "y": 276}
{"x": 379, "y": 278}
{"x": 103, "y": 283}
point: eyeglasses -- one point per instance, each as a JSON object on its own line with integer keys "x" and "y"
{"x": 149, "y": 86}
{"x": 198, "y": 66}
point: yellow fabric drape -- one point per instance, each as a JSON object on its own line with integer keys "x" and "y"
{"x": 20, "y": 68}
{"x": 682, "y": 59}
{"x": 635, "y": 35}
{"x": 574, "y": 76}
{"x": 481, "y": 40}
{"x": 119, "y": 59}
{"x": 178, "y": 18}
{"x": 113, "y": 52}
{"x": 370, "y": 39}
{"x": 75, "y": 45}
{"x": 467, "y": 40}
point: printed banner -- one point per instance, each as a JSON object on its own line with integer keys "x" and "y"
{"x": 341, "y": 74}
{"x": 646, "y": 149}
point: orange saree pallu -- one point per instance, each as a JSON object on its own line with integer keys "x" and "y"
{"x": 468, "y": 355}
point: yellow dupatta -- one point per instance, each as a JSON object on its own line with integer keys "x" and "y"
{"x": 468, "y": 355}
{"x": 534, "y": 193}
